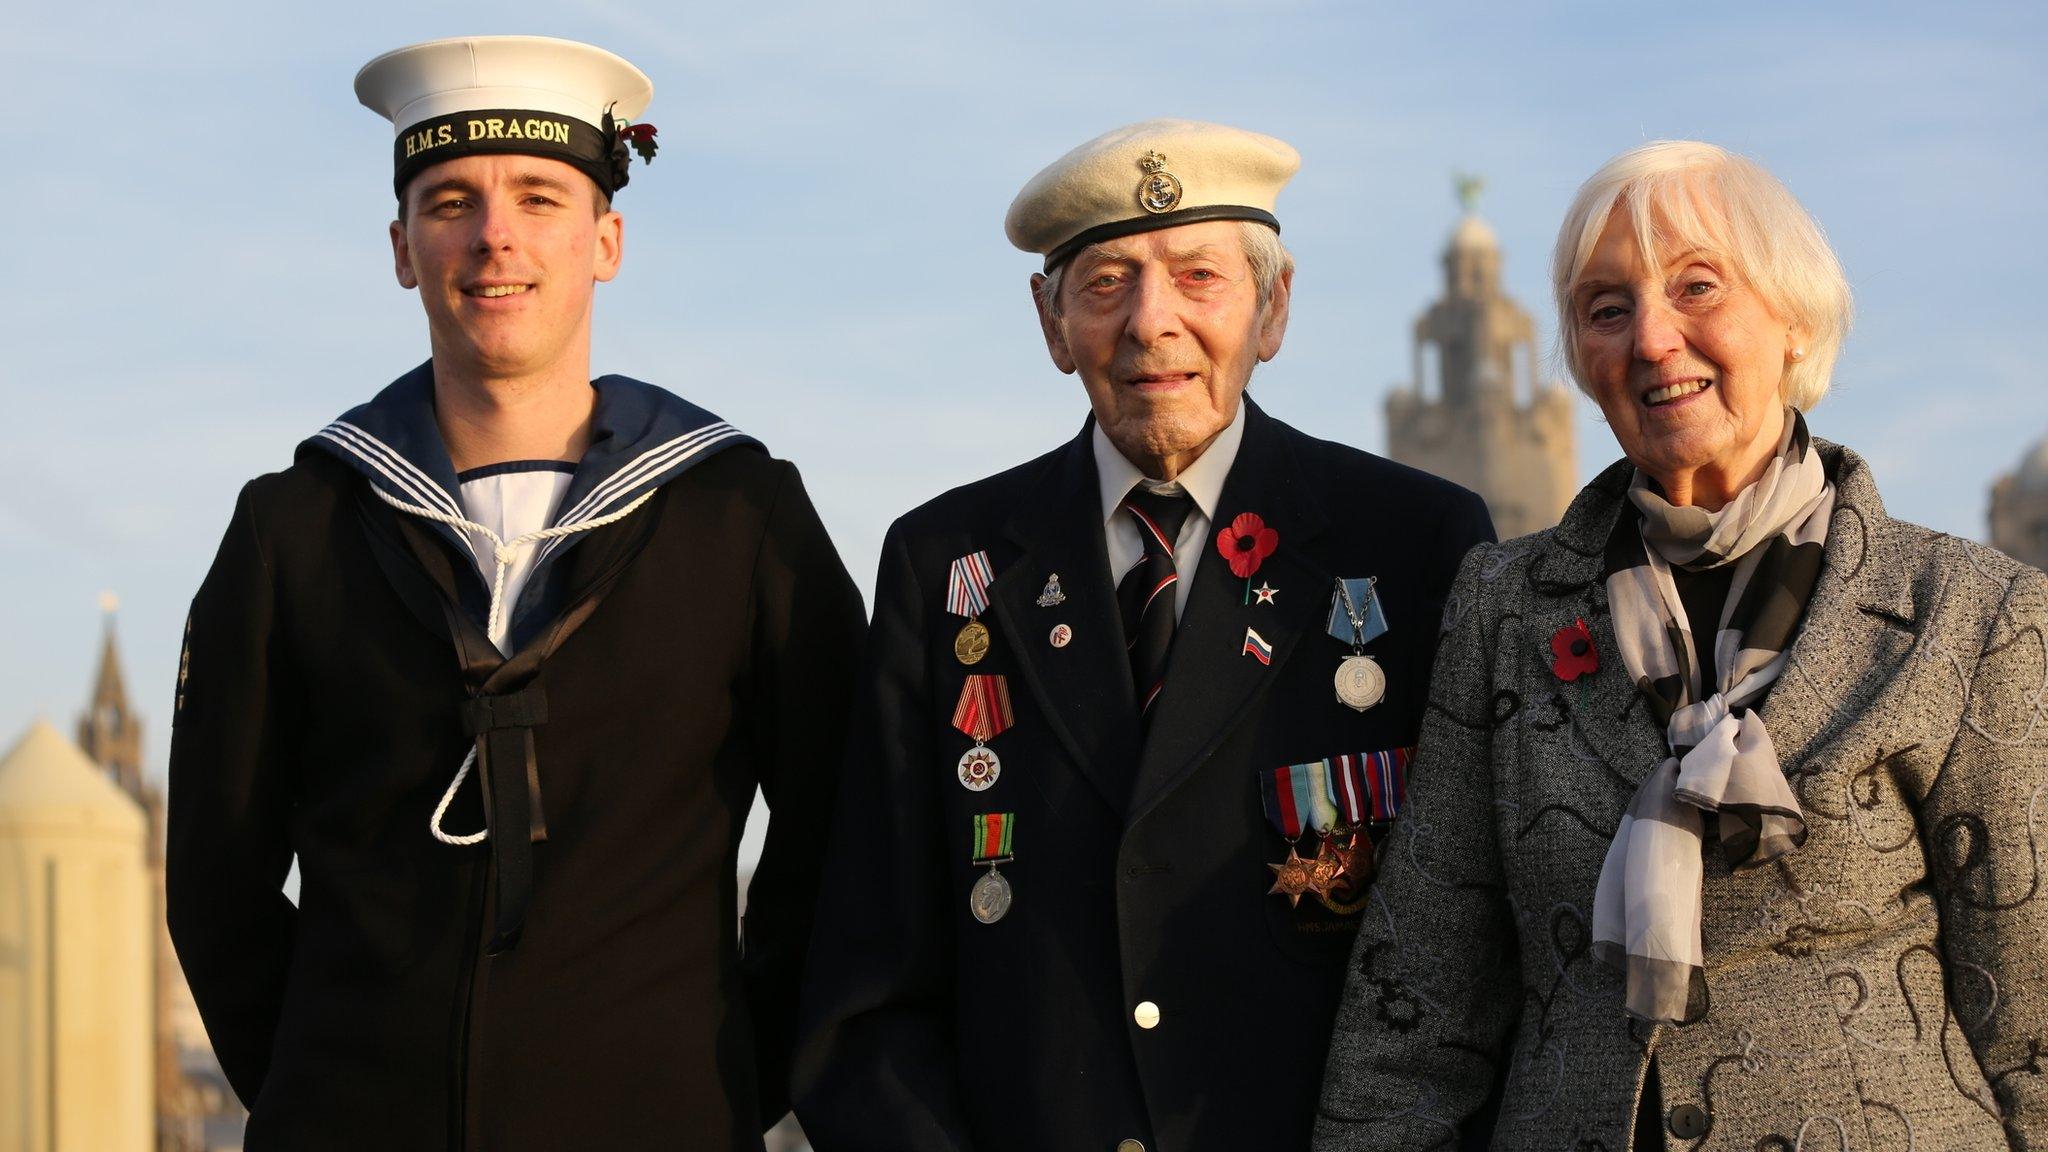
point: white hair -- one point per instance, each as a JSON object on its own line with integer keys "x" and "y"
{"x": 1684, "y": 194}
{"x": 1269, "y": 260}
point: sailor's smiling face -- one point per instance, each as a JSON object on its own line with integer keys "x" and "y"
{"x": 506, "y": 251}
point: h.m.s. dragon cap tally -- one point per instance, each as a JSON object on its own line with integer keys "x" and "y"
{"x": 533, "y": 95}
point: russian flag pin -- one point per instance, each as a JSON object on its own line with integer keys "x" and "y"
{"x": 1256, "y": 647}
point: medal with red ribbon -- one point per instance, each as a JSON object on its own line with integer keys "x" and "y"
{"x": 994, "y": 838}
{"x": 983, "y": 713}
{"x": 1297, "y": 798}
{"x": 1368, "y": 789}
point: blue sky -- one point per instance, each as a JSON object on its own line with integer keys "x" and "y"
{"x": 198, "y": 275}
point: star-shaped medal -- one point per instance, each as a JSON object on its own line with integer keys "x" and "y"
{"x": 1354, "y": 878}
{"x": 1265, "y": 592}
{"x": 1357, "y": 857}
{"x": 1291, "y": 878}
{"x": 1325, "y": 870}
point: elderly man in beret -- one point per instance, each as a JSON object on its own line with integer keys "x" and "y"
{"x": 1134, "y": 713}
{"x": 501, "y": 660}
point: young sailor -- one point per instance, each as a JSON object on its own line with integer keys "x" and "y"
{"x": 501, "y": 659}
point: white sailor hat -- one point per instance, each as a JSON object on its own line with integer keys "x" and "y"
{"x": 534, "y": 95}
{"x": 1146, "y": 176}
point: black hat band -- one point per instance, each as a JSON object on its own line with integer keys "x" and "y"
{"x": 505, "y": 130}
{"x": 1118, "y": 229}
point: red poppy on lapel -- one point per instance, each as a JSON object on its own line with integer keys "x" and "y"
{"x": 1572, "y": 645}
{"x": 1246, "y": 542}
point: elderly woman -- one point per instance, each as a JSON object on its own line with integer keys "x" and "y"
{"x": 1730, "y": 820}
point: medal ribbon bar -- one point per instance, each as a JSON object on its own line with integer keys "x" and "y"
{"x": 967, "y": 585}
{"x": 1297, "y": 796}
{"x": 1370, "y": 786}
{"x": 984, "y": 708}
{"x": 993, "y": 833}
{"x": 1355, "y": 614}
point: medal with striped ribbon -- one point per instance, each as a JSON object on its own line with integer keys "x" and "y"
{"x": 1368, "y": 788}
{"x": 967, "y": 595}
{"x": 983, "y": 713}
{"x": 994, "y": 833}
{"x": 1297, "y": 798}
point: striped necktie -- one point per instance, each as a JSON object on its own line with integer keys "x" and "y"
{"x": 1147, "y": 592}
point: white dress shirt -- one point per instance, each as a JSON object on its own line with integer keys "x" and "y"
{"x": 1202, "y": 481}
{"x": 512, "y": 500}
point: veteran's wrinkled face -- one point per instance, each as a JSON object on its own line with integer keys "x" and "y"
{"x": 1164, "y": 329}
{"x": 506, "y": 251}
{"x": 1685, "y": 362}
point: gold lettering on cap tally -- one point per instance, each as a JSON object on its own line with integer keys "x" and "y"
{"x": 428, "y": 138}
{"x": 1160, "y": 190}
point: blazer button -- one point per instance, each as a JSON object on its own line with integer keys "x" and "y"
{"x": 1130, "y": 1146}
{"x": 1688, "y": 1122}
{"x": 1146, "y": 1014}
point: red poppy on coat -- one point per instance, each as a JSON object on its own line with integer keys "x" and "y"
{"x": 1572, "y": 645}
{"x": 1246, "y": 542}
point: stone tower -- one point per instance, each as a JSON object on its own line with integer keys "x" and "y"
{"x": 1478, "y": 411}
{"x": 2019, "y": 509}
{"x": 109, "y": 732}
{"x": 75, "y": 983}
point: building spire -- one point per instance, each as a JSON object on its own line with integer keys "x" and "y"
{"x": 109, "y": 731}
{"x": 1469, "y": 187}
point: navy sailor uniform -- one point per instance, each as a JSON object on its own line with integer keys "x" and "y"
{"x": 580, "y": 976}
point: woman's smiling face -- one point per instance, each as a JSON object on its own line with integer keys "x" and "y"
{"x": 1685, "y": 361}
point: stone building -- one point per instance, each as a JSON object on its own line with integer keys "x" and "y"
{"x": 76, "y": 1073}
{"x": 2019, "y": 508}
{"x": 1478, "y": 410}
{"x": 195, "y": 1109}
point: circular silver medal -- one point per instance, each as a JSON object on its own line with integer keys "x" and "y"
{"x": 979, "y": 768}
{"x": 1360, "y": 683}
{"x": 990, "y": 899}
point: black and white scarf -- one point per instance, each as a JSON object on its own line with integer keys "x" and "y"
{"x": 1646, "y": 909}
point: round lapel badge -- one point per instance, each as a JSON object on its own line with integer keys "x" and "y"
{"x": 1061, "y": 636}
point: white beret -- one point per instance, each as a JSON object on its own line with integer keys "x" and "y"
{"x": 1146, "y": 176}
{"x": 528, "y": 94}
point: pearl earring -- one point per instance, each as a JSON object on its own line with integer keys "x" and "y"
{"x": 1799, "y": 353}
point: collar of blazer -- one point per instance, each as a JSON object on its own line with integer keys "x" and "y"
{"x": 1085, "y": 687}
{"x": 1865, "y": 587}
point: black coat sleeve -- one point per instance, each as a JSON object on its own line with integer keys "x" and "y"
{"x": 876, "y": 1065}
{"x": 806, "y": 639}
{"x": 231, "y": 790}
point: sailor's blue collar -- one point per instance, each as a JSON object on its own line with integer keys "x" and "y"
{"x": 641, "y": 438}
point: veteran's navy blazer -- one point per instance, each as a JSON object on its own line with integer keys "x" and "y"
{"x": 927, "y": 1030}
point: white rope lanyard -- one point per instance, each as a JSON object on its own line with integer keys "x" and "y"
{"x": 504, "y": 552}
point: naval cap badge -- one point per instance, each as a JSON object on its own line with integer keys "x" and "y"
{"x": 1160, "y": 190}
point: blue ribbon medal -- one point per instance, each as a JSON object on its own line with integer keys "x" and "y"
{"x": 1356, "y": 619}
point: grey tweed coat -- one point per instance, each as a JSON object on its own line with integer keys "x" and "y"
{"x": 1884, "y": 987}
